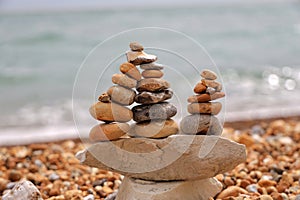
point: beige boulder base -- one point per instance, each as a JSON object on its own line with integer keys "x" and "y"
{"x": 176, "y": 190}
{"x": 177, "y": 157}
{"x": 154, "y": 129}
{"x": 105, "y": 132}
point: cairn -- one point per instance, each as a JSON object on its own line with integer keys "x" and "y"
{"x": 157, "y": 163}
{"x": 202, "y": 107}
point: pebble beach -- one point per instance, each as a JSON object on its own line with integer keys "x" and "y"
{"x": 272, "y": 169}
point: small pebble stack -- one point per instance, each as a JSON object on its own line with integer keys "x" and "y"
{"x": 153, "y": 116}
{"x": 111, "y": 108}
{"x": 202, "y": 120}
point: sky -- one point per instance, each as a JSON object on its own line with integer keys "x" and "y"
{"x": 32, "y": 5}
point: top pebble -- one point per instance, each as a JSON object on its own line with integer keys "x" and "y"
{"x": 209, "y": 75}
{"x": 135, "y": 46}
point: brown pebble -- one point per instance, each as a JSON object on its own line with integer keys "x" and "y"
{"x": 266, "y": 183}
{"x": 205, "y": 108}
{"x": 54, "y": 192}
{"x": 135, "y": 46}
{"x": 199, "y": 88}
{"x": 201, "y": 98}
{"x": 214, "y": 84}
{"x": 121, "y": 95}
{"x": 152, "y": 74}
{"x": 228, "y": 181}
{"x": 152, "y": 85}
{"x": 105, "y": 98}
{"x": 123, "y": 80}
{"x": 110, "y": 112}
{"x": 265, "y": 197}
{"x": 244, "y": 183}
{"x": 14, "y": 175}
{"x": 246, "y": 140}
{"x": 140, "y": 57}
{"x": 208, "y": 74}
{"x": 154, "y": 129}
{"x": 231, "y": 191}
{"x": 104, "y": 132}
{"x": 3, "y": 184}
{"x": 130, "y": 70}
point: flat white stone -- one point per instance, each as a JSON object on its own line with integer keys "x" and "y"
{"x": 178, "y": 157}
{"x": 24, "y": 190}
{"x": 135, "y": 189}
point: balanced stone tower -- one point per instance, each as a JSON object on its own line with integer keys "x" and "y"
{"x": 202, "y": 120}
{"x": 157, "y": 163}
{"x": 153, "y": 117}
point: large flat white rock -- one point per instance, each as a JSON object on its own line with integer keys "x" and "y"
{"x": 178, "y": 157}
{"x": 135, "y": 189}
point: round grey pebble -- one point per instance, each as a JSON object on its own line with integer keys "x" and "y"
{"x": 89, "y": 197}
{"x": 112, "y": 196}
{"x": 38, "y": 163}
{"x": 10, "y": 185}
{"x": 153, "y": 111}
{"x": 152, "y": 65}
{"x": 53, "y": 177}
{"x": 252, "y": 188}
{"x": 201, "y": 124}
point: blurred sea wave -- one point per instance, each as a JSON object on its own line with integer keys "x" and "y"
{"x": 256, "y": 47}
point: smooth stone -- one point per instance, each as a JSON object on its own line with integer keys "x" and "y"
{"x": 151, "y": 97}
{"x": 205, "y": 108}
{"x": 201, "y": 98}
{"x": 140, "y": 57}
{"x": 201, "y": 125}
{"x": 106, "y": 132}
{"x": 152, "y": 74}
{"x": 110, "y": 112}
{"x": 152, "y": 85}
{"x": 177, "y": 157}
{"x": 175, "y": 190}
{"x": 231, "y": 191}
{"x": 124, "y": 80}
{"x": 154, "y": 129}
{"x": 130, "y": 70}
{"x": 210, "y": 90}
{"x": 214, "y": 84}
{"x": 208, "y": 74}
{"x": 24, "y": 190}
{"x": 135, "y": 46}
{"x": 152, "y": 66}
{"x": 105, "y": 98}
{"x": 199, "y": 88}
{"x": 121, "y": 95}
{"x": 153, "y": 111}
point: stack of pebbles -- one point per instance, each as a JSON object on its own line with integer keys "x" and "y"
{"x": 153, "y": 116}
{"x": 111, "y": 108}
{"x": 202, "y": 120}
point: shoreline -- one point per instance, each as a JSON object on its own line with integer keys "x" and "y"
{"x": 46, "y": 135}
